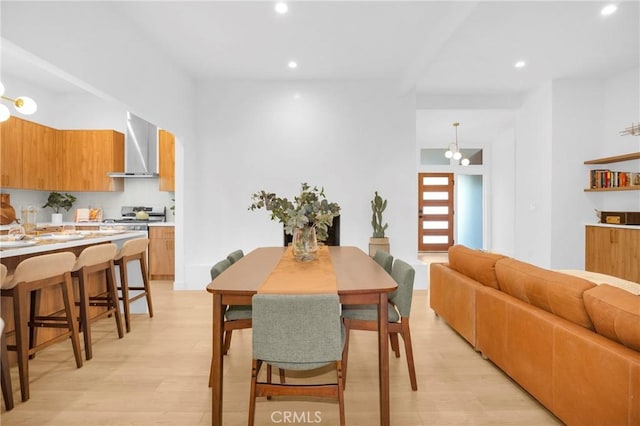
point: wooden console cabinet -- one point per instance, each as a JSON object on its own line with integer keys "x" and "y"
{"x": 613, "y": 251}
{"x": 161, "y": 253}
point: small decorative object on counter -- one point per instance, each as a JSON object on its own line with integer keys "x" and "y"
{"x": 8, "y": 213}
{"x": 307, "y": 218}
{"x": 28, "y": 218}
{"x": 56, "y": 201}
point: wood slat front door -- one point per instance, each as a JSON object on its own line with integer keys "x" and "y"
{"x": 435, "y": 215}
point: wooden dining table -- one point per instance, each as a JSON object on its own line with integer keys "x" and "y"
{"x": 360, "y": 281}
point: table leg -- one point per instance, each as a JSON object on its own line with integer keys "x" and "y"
{"x": 217, "y": 361}
{"x": 383, "y": 358}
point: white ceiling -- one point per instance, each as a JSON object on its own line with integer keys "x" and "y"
{"x": 436, "y": 47}
{"x": 439, "y": 47}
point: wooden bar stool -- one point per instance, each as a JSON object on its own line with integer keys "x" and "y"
{"x": 5, "y": 373}
{"x": 97, "y": 260}
{"x": 30, "y": 277}
{"x": 133, "y": 250}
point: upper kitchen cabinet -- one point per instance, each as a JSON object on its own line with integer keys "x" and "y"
{"x": 11, "y": 153}
{"x": 167, "y": 148}
{"x": 88, "y": 156}
{"x": 40, "y": 149}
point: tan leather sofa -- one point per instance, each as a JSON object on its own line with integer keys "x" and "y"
{"x": 572, "y": 344}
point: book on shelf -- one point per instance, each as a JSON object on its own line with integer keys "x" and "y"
{"x": 605, "y": 178}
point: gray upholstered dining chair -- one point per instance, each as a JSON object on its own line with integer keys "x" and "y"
{"x": 384, "y": 259}
{"x": 236, "y": 317}
{"x": 296, "y": 332}
{"x": 365, "y": 317}
{"x": 234, "y": 256}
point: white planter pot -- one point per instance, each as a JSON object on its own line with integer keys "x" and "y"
{"x": 56, "y": 218}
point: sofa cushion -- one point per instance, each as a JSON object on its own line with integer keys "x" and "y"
{"x": 599, "y": 278}
{"x": 475, "y": 264}
{"x": 615, "y": 313}
{"x": 554, "y": 292}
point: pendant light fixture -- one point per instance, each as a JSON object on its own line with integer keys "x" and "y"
{"x": 454, "y": 151}
{"x": 22, "y": 104}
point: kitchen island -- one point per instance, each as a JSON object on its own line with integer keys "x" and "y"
{"x": 53, "y": 243}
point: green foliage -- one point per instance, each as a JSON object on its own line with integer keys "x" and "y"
{"x": 309, "y": 208}
{"x": 378, "y": 205}
{"x": 57, "y": 201}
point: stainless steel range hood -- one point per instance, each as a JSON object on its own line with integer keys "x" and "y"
{"x": 140, "y": 149}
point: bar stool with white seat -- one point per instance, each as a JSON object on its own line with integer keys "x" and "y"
{"x": 133, "y": 250}
{"x": 31, "y": 276}
{"x": 97, "y": 260}
{"x": 5, "y": 379}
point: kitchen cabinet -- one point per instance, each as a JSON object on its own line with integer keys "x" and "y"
{"x": 89, "y": 156}
{"x": 41, "y": 146}
{"x": 161, "y": 253}
{"x": 613, "y": 251}
{"x": 11, "y": 144}
{"x": 167, "y": 149}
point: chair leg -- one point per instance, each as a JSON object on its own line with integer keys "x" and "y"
{"x": 112, "y": 294}
{"x": 72, "y": 324}
{"x": 20, "y": 306}
{"x": 124, "y": 288}
{"x": 393, "y": 337}
{"x": 406, "y": 336}
{"x": 5, "y": 373}
{"x": 340, "y": 392}
{"x": 84, "y": 314}
{"x": 345, "y": 351}
{"x": 227, "y": 341}
{"x": 147, "y": 286}
{"x": 34, "y": 297}
{"x": 255, "y": 369}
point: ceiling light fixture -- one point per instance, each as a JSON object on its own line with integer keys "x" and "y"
{"x": 282, "y": 8}
{"x": 454, "y": 151}
{"x": 608, "y": 10}
{"x": 22, "y": 104}
{"x": 292, "y": 64}
{"x": 520, "y": 64}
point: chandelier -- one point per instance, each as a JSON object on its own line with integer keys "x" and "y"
{"x": 454, "y": 151}
{"x": 22, "y": 104}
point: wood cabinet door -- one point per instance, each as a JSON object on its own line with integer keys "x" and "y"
{"x": 11, "y": 153}
{"x": 41, "y": 152}
{"x": 167, "y": 149}
{"x": 161, "y": 253}
{"x": 613, "y": 251}
{"x": 90, "y": 155}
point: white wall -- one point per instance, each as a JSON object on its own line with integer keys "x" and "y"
{"x": 351, "y": 138}
{"x": 501, "y": 194}
{"x": 533, "y": 177}
{"x": 577, "y": 115}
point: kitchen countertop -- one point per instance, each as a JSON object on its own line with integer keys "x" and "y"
{"x": 49, "y": 224}
{"x": 46, "y": 244}
{"x": 609, "y": 225}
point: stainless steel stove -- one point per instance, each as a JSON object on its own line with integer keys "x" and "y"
{"x": 137, "y": 218}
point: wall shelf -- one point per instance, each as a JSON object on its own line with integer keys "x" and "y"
{"x": 623, "y": 188}
{"x": 615, "y": 158}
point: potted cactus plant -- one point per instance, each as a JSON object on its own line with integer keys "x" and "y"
{"x": 378, "y": 241}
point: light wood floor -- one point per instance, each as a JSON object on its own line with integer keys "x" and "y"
{"x": 158, "y": 374}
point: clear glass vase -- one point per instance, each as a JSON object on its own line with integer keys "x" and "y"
{"x": 304, "y": 244}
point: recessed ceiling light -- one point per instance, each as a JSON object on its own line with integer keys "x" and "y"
{"x": 281, "y": 8}
{"x": 292, "y": 64}
{"x": 608, "y": 10}
{"x": 520, "y": 64}
{"x": 297, "y": 95}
